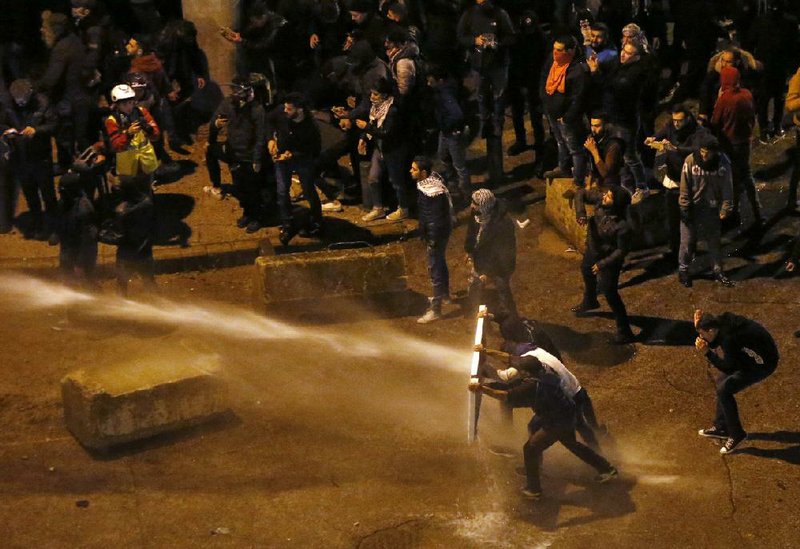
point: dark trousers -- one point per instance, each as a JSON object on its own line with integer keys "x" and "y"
{"x": 129, "y": 264}
{"x": 36, "y": 180}
{"x": 794, "y": 154}
{"x": 304, "y": 168}
{"x": 607, "y": 282}
{"x": 247, "y": 186}
{"x": 437, "y": 267}
{"x": 727, "y": 412}
{"x": 742, "y": 176}
{"x": 543, "y": 435}
{"x": 517, "y": 96}
{"x": 8, "y": 197}
{"x": 491, "y": 108}
{"x": 673, "y": 219}
{"x": 586, "y": 420}
{"x": 215, "y": 153}
{"x": 502, "y": 284}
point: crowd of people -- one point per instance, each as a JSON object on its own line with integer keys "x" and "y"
{"x": 405, "y": 86}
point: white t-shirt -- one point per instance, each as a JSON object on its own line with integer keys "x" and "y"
{"x": 569, "y": 383}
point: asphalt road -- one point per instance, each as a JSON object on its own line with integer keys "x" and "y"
{"x": 352, "y": 433}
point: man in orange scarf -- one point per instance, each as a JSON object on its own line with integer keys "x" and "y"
{"x": 562, "y": 87}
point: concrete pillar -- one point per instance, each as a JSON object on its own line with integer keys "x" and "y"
{"x": 209, "y": 16}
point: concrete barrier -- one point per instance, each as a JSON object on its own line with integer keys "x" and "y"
{"x": 647, "y": 218}
{"x": 315, "y": 276}
{"x": 106, "y": 406}
{"x": 561, "y": 212}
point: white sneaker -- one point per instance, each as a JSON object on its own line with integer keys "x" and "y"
{"x": 398, "y": 215}
{"x": 375, "y": 213}
{"x": 429, "y": 316}
{"x": 332, "y": 206}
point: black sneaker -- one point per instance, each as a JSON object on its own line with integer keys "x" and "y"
{"x": 286, "y": 235}
{"x": 517, "y": 148}
{"x": 530, "y": 493}
{"x": 724, "y": 280}
{"x": 312, "y": 231}
{"x": 585, "y": 307}
{"x": 253, "y": 226}
{"x": 684, "y": 278}
{"x": 602, "y": 478}
{"x": 243, "y": 222}
{"x": 731, "y": 444}
{"x": 713, "y": 432}
{"x": 623, "y": 338}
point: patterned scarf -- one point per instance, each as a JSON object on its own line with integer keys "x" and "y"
{"x": 485, "y": 200}
{"x": 378, "y": 111}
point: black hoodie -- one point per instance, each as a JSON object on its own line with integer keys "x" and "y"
{"x": 608, "y": 237}
{"x": 685, "y": 140}
{"x": 746, "y": 346}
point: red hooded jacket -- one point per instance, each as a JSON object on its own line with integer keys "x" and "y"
{"x": 734, "y": 113}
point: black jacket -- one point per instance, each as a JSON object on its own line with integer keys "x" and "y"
{"x": 495, "y": 252}
{"x": 476, "y": 21}
{"x": 545, "y": 395}
{"x": 567, "y": 105}
{"x": 435, "y": 215}
{"x": 301, "y": 138}
{"x": 246, "y": 131}
{"x": 622, "y": 85}
{"x": 37, "y": 114}
{"x": 685, "y": 141}
{"x": 746, "y": 346}
{"x": 608, "y": 238}
{"x": 64, "y": 76}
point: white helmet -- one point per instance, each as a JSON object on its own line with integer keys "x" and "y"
{"x": 121, "y": 92}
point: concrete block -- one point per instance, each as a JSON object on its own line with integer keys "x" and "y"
{"x": 561, "y": 212}
{"x": 111, "y": 405}
{"x": 647, "y": 218}
{"x": 312, "y": 276}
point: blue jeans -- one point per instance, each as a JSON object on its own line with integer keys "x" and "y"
{"x": 437, "y": 267}
{"x": 304, "y": 168}
{"x": 568, "y": 137}
{"x": 631, "y": 154}
{"x": 453, "y": 154}
{"x": 394, "y": 164}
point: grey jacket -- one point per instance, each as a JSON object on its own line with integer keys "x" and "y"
{"x": 706, "y": 189}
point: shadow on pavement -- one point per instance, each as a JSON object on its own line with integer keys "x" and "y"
{"x": 790, "y": 454}
{"x": 605, "y": 501}
{"x": 589, "y": 348}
